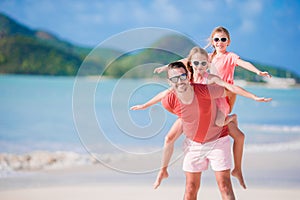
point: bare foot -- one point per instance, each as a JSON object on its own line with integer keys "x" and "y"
{"x": 230, "y": 118}
{"x": 238, "y": 174}
{"x": 161, "y": 175}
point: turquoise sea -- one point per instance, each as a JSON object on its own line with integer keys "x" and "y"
{"x": 63, "y": 113}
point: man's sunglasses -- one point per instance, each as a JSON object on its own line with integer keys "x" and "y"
{"x": 175, "y": 79}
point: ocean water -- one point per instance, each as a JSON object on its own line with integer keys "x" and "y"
{"x": 92, "y": 115}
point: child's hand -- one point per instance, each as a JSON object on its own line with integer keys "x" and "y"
{"x": 262, "y": 99}
{"x": 266, "y": 74}
{"x": 138, "y": 107}
{"x": 159, "y": 69}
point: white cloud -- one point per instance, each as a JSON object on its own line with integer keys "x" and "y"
{"x": 251, "y": 7}
{"x": 93, "y": 18}
{"x": 139, "y": 13}
{"x": 166, "y": 11}
{"x": 142, "y": 13}
{"x": 229, "y": 2}
{"x": 200, "y": 7}
{"x": 249, "y": 12}
{"x": 247, "y": 26}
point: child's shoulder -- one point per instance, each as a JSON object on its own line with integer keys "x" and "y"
{"x": 231, "y": 54}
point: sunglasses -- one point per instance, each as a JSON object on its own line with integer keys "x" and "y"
{"x": 220, "y": 39}
{"x": 175, "y": 79}
{"x": 201, "y": 63}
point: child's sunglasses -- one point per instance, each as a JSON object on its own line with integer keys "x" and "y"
{"x": 220, "y": 39}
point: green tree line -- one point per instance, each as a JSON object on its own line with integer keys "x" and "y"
{"x": 27, "y": 51}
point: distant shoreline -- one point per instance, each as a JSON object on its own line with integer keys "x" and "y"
{"x": 241, "y": 83}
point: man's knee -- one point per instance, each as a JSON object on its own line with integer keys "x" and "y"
{"x": 191, "y": 190}
{"x": 225, "y": 187}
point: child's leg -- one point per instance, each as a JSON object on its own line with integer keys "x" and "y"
{"x": 232, "y": 98}
{"x": 238, "y": 147}
{"x": 223, "y": 109}
{"x": 170, "y": 139}
{"x": 230, "y": 118}
{"x": 221, "y": 120}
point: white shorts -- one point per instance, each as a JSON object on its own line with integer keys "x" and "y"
{"x": 197, "y": 156}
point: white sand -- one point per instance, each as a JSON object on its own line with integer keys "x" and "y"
{"x": 129, "y": 192}
{"x": 269, "y": 175}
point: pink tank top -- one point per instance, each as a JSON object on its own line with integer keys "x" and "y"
{"x": 222, "y": 103}
{"x": 203, "y": 80}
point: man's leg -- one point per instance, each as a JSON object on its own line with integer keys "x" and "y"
{"x": 224, "y": 183}
{"x": 192, "y": 185}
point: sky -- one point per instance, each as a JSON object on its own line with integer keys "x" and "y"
{"x": 267, "y": 31}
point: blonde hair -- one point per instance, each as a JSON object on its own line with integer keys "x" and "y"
{"x": 219, "y": 29}
{"x": 194, "y": 51}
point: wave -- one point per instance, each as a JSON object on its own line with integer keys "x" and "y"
{"x": 39, "y": 160}
{"x": 43, "y": 160}
{"x": 30, "y": 145}
{"x": 273, "y": 147}
{"x": 272, "y": 128}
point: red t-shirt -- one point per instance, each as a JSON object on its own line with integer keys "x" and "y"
{"x": 198, "y": 117}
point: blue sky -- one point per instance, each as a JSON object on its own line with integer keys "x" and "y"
{"x": 267, "y": 31}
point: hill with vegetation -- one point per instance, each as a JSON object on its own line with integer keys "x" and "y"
{"x": 36, "y": 52}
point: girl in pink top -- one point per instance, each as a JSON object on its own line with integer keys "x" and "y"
{"x": 223, "y": 64}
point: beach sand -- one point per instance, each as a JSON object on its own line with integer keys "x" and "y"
{"x": 127, "y": 192}
{"x": 269, "y": 175}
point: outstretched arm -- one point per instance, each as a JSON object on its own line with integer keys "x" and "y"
{"x": 161, "y": 69}
{"x": 252, "y": 68}
{"x": 236, "y": 89}
{"x": 152, "y": 101}
{"x": 165, "y": 67}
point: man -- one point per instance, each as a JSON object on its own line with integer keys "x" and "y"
{"x": 205, "y": 142}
